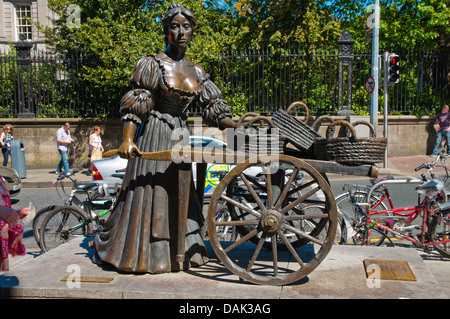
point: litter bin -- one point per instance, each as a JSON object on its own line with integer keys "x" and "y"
{"x": 18, "y": 158}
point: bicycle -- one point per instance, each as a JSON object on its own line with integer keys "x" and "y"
{"x": 94, "y": 192}
{"x": 371, "y": 215}
{"x": 69, "y": 199}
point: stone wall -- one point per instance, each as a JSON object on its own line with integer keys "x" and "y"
{"x": 407, "y": 135}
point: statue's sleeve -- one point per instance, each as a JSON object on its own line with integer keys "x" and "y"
{"x": 137, "y": 103}
{"x": 215, "y": 109}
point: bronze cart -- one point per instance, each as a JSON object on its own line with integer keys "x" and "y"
{"x": 276, "y": 201}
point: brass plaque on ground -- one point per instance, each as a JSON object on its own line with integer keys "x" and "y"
{"x": 390, "y": 269}
{"x": 99, "y": 280}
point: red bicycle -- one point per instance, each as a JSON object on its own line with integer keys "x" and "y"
{"x": 365, "y": 219}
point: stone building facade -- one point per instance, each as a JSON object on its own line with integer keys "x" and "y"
{"x": 14, "y": 24}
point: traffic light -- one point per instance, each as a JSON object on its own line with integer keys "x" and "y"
{"x": 393, "y": 69}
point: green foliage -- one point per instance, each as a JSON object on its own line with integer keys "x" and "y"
{"x": 8, "y": 75}
{"x": 114, "y": 34}
{"x": 409, "y": 23}
{"x": 275, "y": 23}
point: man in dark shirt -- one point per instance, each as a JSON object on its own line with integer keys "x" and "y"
{"x": 443, "y": 128}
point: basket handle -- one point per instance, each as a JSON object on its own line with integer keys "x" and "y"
{"x": 319, "y": 120}
{"x": 330, "y": 128}
{"x": 304, "y": 107}
{"x": 262, "y": 119}
{"x": 241, "y": 119}
{"x": 372, "y": 129}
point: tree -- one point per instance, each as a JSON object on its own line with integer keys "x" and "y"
{"x": 115, "y": 34}
{"x": 285, "y": 21}
{"x": 410, "y": 23}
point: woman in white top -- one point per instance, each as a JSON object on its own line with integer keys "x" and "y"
{"x": 6, "y": 138}
{"x": 95, "y": 141}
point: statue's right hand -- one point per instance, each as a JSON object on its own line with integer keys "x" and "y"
{"x": 129, "y": 150}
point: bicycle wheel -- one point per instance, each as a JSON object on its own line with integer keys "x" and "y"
{"x": 37, "y": 222}
{"x": 440, "y": 231}
{"x": 348, "y": 217}
{"x": 225, "y": 233}
{"x": 63, "y": 224}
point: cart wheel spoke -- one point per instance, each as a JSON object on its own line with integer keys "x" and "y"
{"x": 256, "y": 253}
{"x": 302, "y": 234}
{"x": 269, "y": 186}
{"x": 301, "y": 187}
{"x": 253, "y": 193}
{"x": 299, "y": 200}
{"x": 241, "y": 241}
{"x": 241, "y": 206}
{"x": 285, "y": 191}
{"x": 305, "y": 217}
{"x": 291, "y": 249}
{"x": 231, "y": 223}
{"x": 274, "y": 255}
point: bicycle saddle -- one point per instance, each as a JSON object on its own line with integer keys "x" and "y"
{"x": 85, "y": 186}
{"x": 430, "y": 188}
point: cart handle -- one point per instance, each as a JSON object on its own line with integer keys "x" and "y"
{"x": 222, "y": 157}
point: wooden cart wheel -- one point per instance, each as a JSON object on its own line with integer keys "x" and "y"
{"x": 238, "y": 191}
{"x": 277, "y": 216}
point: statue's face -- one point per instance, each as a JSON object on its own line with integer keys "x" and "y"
{"x": 180, "y": 31}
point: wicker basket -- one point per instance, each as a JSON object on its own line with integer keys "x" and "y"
{"x": 261, "y": 139}
{"x": 350, "y": 150}
{"x": 294, "y": 131}
{"x": 318, "y": 122}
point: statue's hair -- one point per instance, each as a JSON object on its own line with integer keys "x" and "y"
{"x": 172, "y": 11}
{"x": 178, "y": 8}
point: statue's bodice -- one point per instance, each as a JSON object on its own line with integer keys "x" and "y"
{"x": 179, "y": 85}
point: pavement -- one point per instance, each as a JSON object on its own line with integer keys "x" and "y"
{"x": 341, "y": 275}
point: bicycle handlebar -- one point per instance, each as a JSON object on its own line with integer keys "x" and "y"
{"x": 424, "y": 165}
{"x": 68, "y": 175}
{"x": 433, "y": 163}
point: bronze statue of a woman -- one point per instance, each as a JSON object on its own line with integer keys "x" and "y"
{"x": 141, "y": 233}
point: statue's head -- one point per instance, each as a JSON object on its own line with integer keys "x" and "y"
{"x": 173, "y": 11}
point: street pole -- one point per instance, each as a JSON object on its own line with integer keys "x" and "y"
{"x": 375, "y": 70}
{"x": 386, "y": 105}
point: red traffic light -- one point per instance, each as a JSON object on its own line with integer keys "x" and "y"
{"x": 394, "y": 60}
{"x": 394, "y": 68}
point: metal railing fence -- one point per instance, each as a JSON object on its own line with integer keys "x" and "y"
{"x": 251, "y": 80}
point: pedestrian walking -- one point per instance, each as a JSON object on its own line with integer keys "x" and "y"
{"x": 95, "y": 144}
{"x": 6, "y": 138}
{"x": 63, "y": 140}
{"x": 443, "y": 129}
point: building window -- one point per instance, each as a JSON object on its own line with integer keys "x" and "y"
{"x": 23, "y": 23}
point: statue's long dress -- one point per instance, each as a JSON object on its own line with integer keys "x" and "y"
{"x": 141, "y": 233}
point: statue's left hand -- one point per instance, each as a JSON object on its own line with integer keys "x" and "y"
{"x": 129, "y": 150}
{"x": 227, "y": 122}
